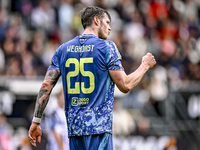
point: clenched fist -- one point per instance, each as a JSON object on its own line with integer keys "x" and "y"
{"x": 149, "y": 60}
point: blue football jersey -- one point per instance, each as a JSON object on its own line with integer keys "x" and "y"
{"x": 84, "y": 63}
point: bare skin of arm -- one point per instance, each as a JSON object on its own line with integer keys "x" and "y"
{"x": 49, "y": 82}
{"x": 127, "y": 82}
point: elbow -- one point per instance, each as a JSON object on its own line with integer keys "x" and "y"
{"x": 45, "y": 86}
{"x": 125, "y": 89}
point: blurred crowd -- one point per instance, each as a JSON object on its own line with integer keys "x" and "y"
{"x": 31, "y": 31}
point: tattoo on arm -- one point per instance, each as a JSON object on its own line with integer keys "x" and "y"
{"x": 50, "y": 81}
{"x": 41, "y": 103}
{"x": 53, "y": 75}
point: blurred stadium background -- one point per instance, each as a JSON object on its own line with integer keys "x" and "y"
{"x": 161, "y": 113}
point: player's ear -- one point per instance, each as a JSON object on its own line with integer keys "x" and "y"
{"x": 96, "y": 20}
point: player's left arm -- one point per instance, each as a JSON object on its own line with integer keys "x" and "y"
{"x": 48, "y": 84}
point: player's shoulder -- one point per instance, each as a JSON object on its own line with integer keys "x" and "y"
{"x": 110, "y": 44}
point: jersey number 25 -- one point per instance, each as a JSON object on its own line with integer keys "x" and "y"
{"x": 79, "y": 68}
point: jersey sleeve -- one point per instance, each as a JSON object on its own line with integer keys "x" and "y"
{"x": 54, "y": 61}
{"x": 113, "y": 57}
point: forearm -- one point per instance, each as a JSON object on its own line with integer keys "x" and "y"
{"x": 127, "y": 82}
{"x": 49, "y": 82}
{"x": 41, "y": 102}
{"x": 134, "y": 78}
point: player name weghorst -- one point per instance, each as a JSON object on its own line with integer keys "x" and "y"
{"x": 80, "y": 49}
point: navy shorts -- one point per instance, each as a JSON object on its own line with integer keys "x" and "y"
{"x": 91, "y": 142}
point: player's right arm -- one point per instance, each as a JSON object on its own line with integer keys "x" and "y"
{"x": 49, "y": 82}
{"x": 127, "y": 82}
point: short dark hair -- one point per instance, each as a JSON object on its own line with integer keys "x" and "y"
{"x": 88, "y": 13}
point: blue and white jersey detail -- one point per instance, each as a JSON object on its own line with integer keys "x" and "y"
{"x": 91, "y": 120}
{"x": 112, "y": 52}
{"x": 84, "y": 63}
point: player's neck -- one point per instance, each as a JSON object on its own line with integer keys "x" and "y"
{"x": 90, "y": 30}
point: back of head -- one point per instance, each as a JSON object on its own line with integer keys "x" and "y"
{"x": 88, "y": 13}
